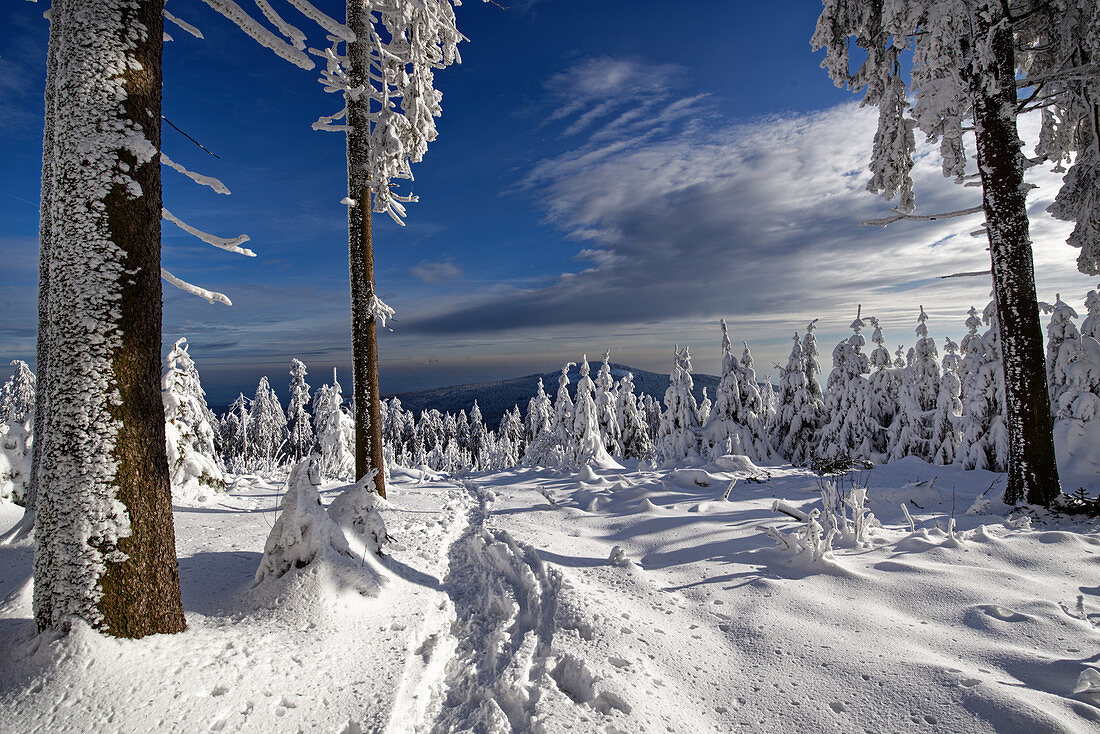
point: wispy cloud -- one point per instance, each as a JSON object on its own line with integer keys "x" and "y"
{"x": 436, "y": 271}
{"x": 679, "y": 215}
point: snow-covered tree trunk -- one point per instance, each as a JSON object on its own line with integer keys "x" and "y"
{"x": 364, "y": 328}
{"x": 104, "y": 538}
{"x": 1032, "y": 472}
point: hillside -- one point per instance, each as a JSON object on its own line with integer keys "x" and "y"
{"x": 496, "y": 397}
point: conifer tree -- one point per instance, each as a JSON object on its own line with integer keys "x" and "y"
{"x": 1062, "y": 336}
{"x": 556, "y": 447}
{"x": 479, "y": 444}
{"x": 984, "y": 443}
{"x": 267, "y": 424}
{"x": 947, "y": 419}
{"x": 848, "y": 401}
{"x": 632, "y": 421}
{"x": 335, "y": 431}
{"x": 540, "y": 414}
{"x": 17, "y": 394}
{"x": 885, "y": 383}
{"x": 1091, "y": 325}
{"x": 911, "y": 431}
{"x": 977, "y": 65}
{"x": 799, "y": 411}
{"x": 606, "y": 408}
{"x": 680, "y": 433}
{"x": 299, "y": 421}
{"x": 586, "y": 422}
{"x": 103, "y": 527}
{"x": 189, "y": 430}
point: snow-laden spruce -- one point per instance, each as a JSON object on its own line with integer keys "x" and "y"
{"x": 800, "y": 410}
{"x": 298, "y": 419}
{"x": 606, "y": 412}
{"x": 335, "y": 431}
{"x": 680, "y": 433}
{"x": 556, "y": 447}
{"x": 984, "y": 441}
{"x": 848, "y": 404}
{"x": 633, "y": 427}
{"x": 946, "y": 422}
{"x": 267, "y": 434}
{"x": 17, "y": 393}
{"x": 193, "y": 463}
{"x": 885, "y": 384}
{"x": 910, "y": 433}
{"x": 734, "y": 425}
{"x": 586, "y": 424}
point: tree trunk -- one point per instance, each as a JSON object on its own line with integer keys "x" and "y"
{"x": 104, "y": 542}
{"x": 364, "y": 334}
{"x": 1032, "y": 472}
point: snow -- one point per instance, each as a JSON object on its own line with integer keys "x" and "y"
{"x": 621, "y": 606}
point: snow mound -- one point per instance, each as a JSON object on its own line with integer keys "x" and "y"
{"x": 305, "y": 535}
{"x": 737, "y": 463}
{"x": 355, "y": 511}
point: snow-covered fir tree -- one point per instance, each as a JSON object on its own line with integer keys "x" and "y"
{"x": 299, "y": 421}
{"x": 234, "y": 429}
{"x": 651, "y": 409}
{"x": 1091, "y": 325}
{"x": 557, "y": 446}
{"x": 508, "y": 448}
{"x": 540, "y": 414}
{"x": 948, "y": 416}
{"x": 910, "y": 433}
{"x": 606, "y": 408}
{"x": 848, "y": 401}
{"x": 632, "y": 421}
{"x": 704, "y": 408}
{"x": 1062, "y": 336}
{"x": 586, "y": 424}
{"x": 267, "y": 425}
{"x": 478, "y": 442}
{"x": 680, "y": 433}
{"x": 799, "y": 412}
{"x": 734, "y": 425}
{"x": 885, "y": 383}
{"x": 193, "y": 465}
{"x": 335, "y": 431}
{"x": 984, "y": 442}
{"x": 17, "y": 393}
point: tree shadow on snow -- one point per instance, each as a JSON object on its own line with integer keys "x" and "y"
{"x": 214, "y": 583}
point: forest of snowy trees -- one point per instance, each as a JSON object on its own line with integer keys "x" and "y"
{"x": 943, "y": 405}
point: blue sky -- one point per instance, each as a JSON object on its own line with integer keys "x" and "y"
{"x": 608, "y": 174}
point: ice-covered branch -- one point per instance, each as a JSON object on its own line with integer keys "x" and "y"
{"x": 898, "y": 216}
{"x": 198, "y": 178}
{"x": 183, "y": 285}
{"x": 183, "y": 24}
{"x": 293, "y": 34}
{"x": 260, "y": 34}
{"x": 230, "y": 244}
{"x": 968, "y": 274}
{"x": 380, "y": 310}
{"x": 329, "y": 24}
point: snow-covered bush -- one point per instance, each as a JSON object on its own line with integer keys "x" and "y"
{"x": 355, "y": 511}
{"x": 305, "y": 535}
{"x": 810, "y": 540}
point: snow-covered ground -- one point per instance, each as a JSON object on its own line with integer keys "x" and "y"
{"x": 505, "y": 607}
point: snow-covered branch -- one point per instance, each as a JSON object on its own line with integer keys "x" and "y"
{"x": 183, "y": 24}
{"x": 260, "y": 34}
{"x": 198, "y": 178}
{"x": 183, "y": 285}
{"x": 898, "y": 216}
{"x": 380, "y": 310}
{"x": 229, "y": 244}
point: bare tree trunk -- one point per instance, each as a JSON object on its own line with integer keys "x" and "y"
{"x": 105, "y": 543}
{"x": 364, "y": 334}
{"x": 1032, "y": 472}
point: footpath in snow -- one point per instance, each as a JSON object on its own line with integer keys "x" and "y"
{"x": 634, "y": 600}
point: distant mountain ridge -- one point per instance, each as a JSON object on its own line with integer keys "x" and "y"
{"x": 493, "y": 398}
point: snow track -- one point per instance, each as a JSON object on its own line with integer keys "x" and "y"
{"x": 504, "y": 602}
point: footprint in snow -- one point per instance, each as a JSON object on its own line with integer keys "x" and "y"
{"x": 1003, "y": 613}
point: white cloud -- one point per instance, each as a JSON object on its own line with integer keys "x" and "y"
{"x": 436, "y": 271}
{"x": 698, "y": 218}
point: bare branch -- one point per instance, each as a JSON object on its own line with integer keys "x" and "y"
{"x": 899, "y": 216}
{"x": 967, "y": 274}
